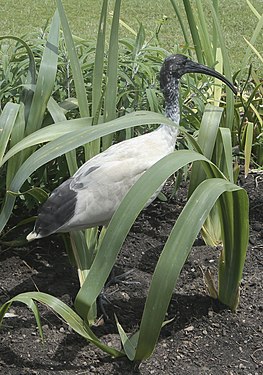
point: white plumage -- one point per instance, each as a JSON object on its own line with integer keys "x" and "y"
{"x": 113, "y": 172}
{"x": 92, "y": 195}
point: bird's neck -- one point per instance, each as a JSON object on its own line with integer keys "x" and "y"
{"x": 172, "y": 108}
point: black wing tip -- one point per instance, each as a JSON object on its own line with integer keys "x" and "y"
{"x": 57, "y": 211}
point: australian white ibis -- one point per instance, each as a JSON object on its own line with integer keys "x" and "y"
{"x": 91, "y": 196}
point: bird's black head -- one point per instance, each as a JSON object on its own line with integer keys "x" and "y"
{"x": 175, "y": 66}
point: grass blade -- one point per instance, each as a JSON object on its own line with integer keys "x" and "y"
{"x": 218, "y": 84}
{"x": 254, "y": 50}
{"x": 16, "y": 136}
{"x": 206, "y": 141}
{"x": 74, "y": 63}
{"x": 47, "y": 134}
{"x": 7, "y": 122}
{"x": 99, "y": 61}
{"x": 46, "y": 78}
{"x": 97, "y": 80}
{"x": 112, "y": 71}
{"x": 204, "y": 34}
{"x": 248, "y": 145}
{"x": 58, "y": 116}
{"x": 253, "y": 9}
{"x": 127, "y": 344}
{"x": 215, "y": 37}
{"x": 234, "y": 208}
{"x": 224, "y": 153}
{"x": 227, "y": 71}
{"x": 182, "y": 25}
{"x": 194, "y": 31}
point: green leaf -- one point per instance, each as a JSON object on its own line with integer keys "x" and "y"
{"x": 224, "y": 153}
{"x": 112, "y": 71}
{"x": 254, "y": 50}
{"x": 182, "y": 25}
{"x": 97, "y": 80}
{"x": 46, "y": 78}
{"x": 193, "y": 30}
{"x": 17, "y": 134}
{"x": 227, "y": 70}
{"x": 248, "y": 145}
{"x": 74, "y": 63}
{"x": 47, "y": 134}
{"x": 235, "y": 231}
{"x": 7, "y": 122}
{"x": 206, "y": 141}
{"x": 58, "y": 115}
{"x": 127, "y": 344}
{"x": 140, "y": 39}
{"x": 204, "y": 34}
{"x": 37, "y": 193}
{"x": 33, "y": 306}
{"x": 99, "y": 61}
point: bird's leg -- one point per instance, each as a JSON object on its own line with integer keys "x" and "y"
{"x": 120, "y": 279}
{"x": 103, "y": 299}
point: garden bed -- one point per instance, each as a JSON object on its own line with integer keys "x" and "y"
{"x": 203, "y": 338}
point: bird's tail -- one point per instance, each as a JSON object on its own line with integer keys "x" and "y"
{"x": 58, "y": 209}
{"x": 32, "y": 236}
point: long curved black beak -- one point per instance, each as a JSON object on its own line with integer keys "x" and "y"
{"x": 193, "y": 67}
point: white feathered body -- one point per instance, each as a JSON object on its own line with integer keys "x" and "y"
{"x": 92, "y": 195}
{"x": 112, "y": 174}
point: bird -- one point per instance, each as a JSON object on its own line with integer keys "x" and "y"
{"x": 91, "y": 196}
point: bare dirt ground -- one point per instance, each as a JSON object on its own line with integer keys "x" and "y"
{"x": 204, "y": 337}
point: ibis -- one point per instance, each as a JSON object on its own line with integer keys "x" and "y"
{"x": 91, "y": 196}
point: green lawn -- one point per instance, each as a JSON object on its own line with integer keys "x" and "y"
{"x": 24, "y": 16}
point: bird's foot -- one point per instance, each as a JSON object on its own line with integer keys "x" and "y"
{"x": 114, "y": 281}
{"x": 123, "y": 278}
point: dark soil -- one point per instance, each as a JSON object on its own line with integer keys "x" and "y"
{"x": 204, "y": 337}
